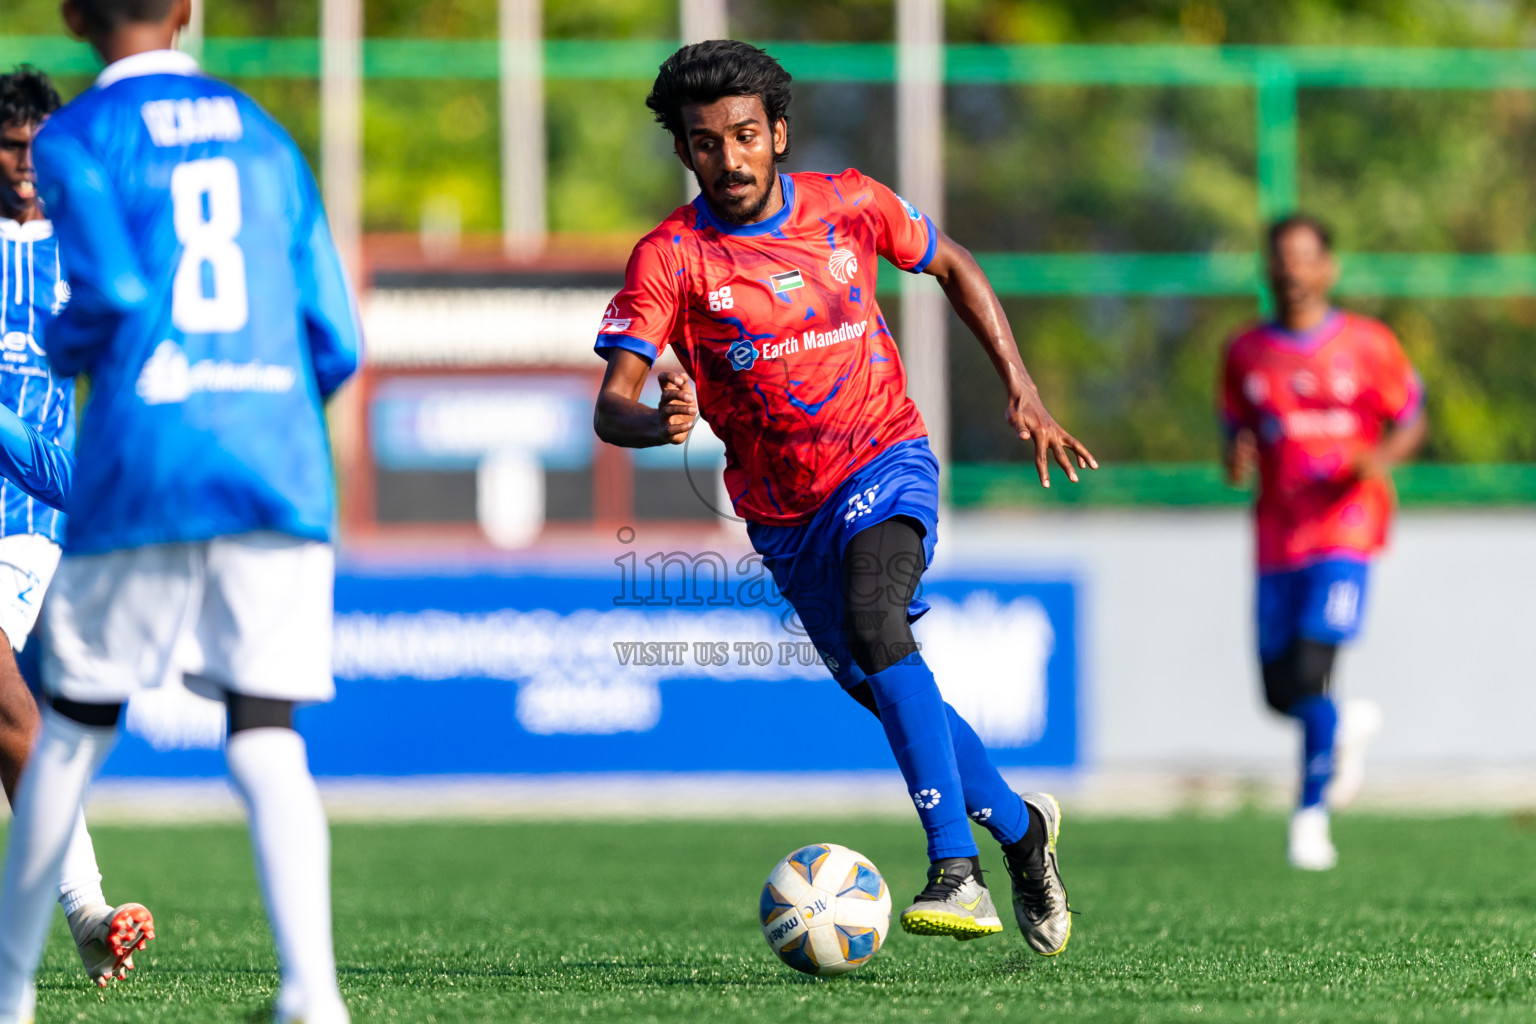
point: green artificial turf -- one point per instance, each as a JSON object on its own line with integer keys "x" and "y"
{"x": 1185, "y": 919}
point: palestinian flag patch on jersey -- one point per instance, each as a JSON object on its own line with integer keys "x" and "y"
{"x": 787, "y": 281}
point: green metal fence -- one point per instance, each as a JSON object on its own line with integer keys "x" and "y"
{"x": 1188, "y": 485}
{"x": 1273, "y": 73}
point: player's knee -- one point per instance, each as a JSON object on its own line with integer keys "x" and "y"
{"x": 1313, "y": 667}
{"x": 1279, "y": 683}
{"x": 878, "y": 636}
{"x": 1304, "y": 670}
{"x": 95, "y": 716}
{"x": 879, "y": 639}
{"x": 257, "y": 713}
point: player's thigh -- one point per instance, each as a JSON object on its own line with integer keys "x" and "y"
{"x": 1332, "y": 601}
{"x": 1276, "y": 613}
{"x": 816, "y": 614}
{"x": 264, "y": 626}
{"x": 114, "y": 621}
{"x": 28, "y": 562}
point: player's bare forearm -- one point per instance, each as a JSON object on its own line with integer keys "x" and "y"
{"x": 622, "y": 419}
{"x": 966, "y": 286}
{"x": 1239, "y": 456}
{"x": 1400, "y": 445}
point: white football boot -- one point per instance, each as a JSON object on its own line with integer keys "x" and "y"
{"x": 955, "y": 902}
{"x": 107, "y": 937}
{"x": 1359, "y": 722}
{"x": 1311, "y": 848}
{"x": 1039, "y": 896}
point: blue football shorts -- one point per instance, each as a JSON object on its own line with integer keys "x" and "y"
{"x": 1323, "y": 602}
{"x": 807, "y": 560}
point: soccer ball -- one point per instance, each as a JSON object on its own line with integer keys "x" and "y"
{"x": 825, "y": 909}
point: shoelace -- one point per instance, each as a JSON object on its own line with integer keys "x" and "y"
{"x": 941, "y": 887}
{"x": 1039, "y": 901}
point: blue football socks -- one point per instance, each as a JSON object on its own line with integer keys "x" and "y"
{"x": 988, "y": 799}
{"x": 914, "y": 717}
{"x": 1319, "y": 718}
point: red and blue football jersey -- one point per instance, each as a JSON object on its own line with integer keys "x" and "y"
{"x": 777, "y": 324}
{"x": 1314, "y": 401}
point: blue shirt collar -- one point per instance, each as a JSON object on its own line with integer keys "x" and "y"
{"x": 1306, "y": 339}
{"x": 762, "y": 227}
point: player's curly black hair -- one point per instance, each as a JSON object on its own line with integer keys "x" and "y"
{"x": 26, "y": 96}
{"x": 705, "y": 72}
{"x": 109, "y": 14}
{"x": 1300, "y": 220}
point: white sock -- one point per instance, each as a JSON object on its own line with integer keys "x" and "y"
{"x": 65, "y": 759}
{"x": 80, "y": 883}
{"x": 270, "y": 771}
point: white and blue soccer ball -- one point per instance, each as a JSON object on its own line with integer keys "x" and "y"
{"x": 825, "y": 909}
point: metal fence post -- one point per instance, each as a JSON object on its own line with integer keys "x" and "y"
{"x": 341, "y": 125}
{"x": 920, "y": 177}
{"x": 698, "y": 21}
{"x": 524, "y": 148}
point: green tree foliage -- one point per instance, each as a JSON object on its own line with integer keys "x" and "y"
{"x": 1052, "y": 169}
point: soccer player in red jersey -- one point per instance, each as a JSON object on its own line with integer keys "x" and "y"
{"x": 764, "y": 287}
{"x": 1326, "y": 403}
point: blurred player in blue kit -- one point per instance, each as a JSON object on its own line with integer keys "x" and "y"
{"x": 212, "y": 313}
{"x": 33, "y": 290}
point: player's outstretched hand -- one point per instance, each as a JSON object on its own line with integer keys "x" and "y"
{"x": 1028, "y": 416}
{"x": 1240, "y": 456}
{"x": 679, "y": 406}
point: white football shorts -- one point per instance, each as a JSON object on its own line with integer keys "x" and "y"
{"x": 27, "y": 564}
{"x": 249, "y": 614}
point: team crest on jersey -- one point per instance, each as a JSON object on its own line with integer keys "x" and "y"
{"x": 60, "y": 297}
{"x": 843, "y": 265}
{"x": 787, "y": 281}
{"x": 1344, "y": 387}
{"x": 742, "y": 355}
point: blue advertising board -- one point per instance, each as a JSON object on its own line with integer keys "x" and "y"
{"x": 676, "y": 663}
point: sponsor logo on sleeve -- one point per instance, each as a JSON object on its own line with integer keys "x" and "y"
{"x": 613, "y": 323}
{"x": 912, "y": 211}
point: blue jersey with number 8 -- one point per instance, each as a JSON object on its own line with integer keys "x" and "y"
{"x": 209, "y": 308}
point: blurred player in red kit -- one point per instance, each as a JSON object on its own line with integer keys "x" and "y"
{"x": 1326, "y": 403}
